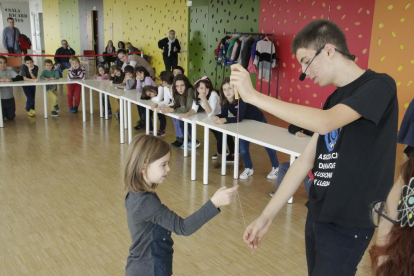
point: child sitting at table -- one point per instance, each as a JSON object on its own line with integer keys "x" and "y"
{"x": 130, "y": 81}
{"x": 6, "y": 92}
{"x": 177, "y": 70}
{"x": 156, "y": 94}
{"x": 117, "y": 77}
{"x": 29, "y": 72}
{"x": 242, "y": 110}
{"x": 51, "y": 74}
{"x": 103, "y": 75}
{"x": 76, "y": 71}
{"x": 143, "y": 78}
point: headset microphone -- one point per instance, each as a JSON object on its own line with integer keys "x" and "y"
{"x": 302, "y": 76}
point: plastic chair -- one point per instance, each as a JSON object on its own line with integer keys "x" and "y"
{"x": 14, "y": 62}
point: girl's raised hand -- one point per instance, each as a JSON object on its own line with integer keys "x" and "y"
{"x": 240, "y": 78}
{"x": 223, "y": 196}
{"x": 218, "y": 120}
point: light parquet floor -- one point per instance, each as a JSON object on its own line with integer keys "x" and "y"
{"x": 62, "y": 203}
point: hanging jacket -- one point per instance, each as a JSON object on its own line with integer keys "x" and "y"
{"x": 253, "y": 51}
{"x": 245, "y": 52}
{"x": 265, "y": 58}
{"x": 221, "y": 58}
{"x": 231, "y": 44}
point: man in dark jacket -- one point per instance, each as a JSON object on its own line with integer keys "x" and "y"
{"x": 62, "y": 63}
{"x": 131, "y": 49}
{"x": 170, "y": 46}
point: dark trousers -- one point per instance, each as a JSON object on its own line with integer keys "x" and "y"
{"x": 109, "y": 103}
{"x": 170, "y": 63}
{"x": 283, "y": 168}
{"x": 141, "y": 113}
{"x": 332, "y": 249}
{"x": 161, "y": 118}
{"x": 30, "y": 92}
{"x": 8, "y": 108}
{"x": 219, "y": 139}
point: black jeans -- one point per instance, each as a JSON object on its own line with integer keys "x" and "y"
{"x": 219, "y": 139}
{"x": 332, "y": 249}
{"x": 170, "y": 63}
{"x": 161, "y": 118}
{"x": 30, "y": 92}
{"x": 141, "y": 113}
{"x": 8, "y": 108}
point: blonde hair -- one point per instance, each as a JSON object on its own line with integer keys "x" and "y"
{"x": 74, "y": 58}
{"x": 143, "y": 150}
{"x": 114, "y": 68}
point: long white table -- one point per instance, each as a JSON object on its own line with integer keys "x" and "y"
{"x": 263, "y": 134}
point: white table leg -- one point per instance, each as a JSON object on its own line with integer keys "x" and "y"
{"x": 106, "y": 107}
{"x": 185, "y": 142}
{"x": 129, "y": 124}
{"x": 206, "y": 155}
{"x": 125, "y": 114}
{"x": 83, "y": 104}
{"x": 154, "y": 126}
{"x": 292, "y": 159}
{"x": 91, "y": 99}
{"x": 236, "y": 157}
{"x": 1, "y": 115}
{"x": 147, "y": 121}
{"x": 121, "y": 119}
{"x": 45, "y": 100}
{"x": 223, "y": 155}
{"x": 193, "y": 150}
{"x": 100, "y": 105}
{"x": 129, "y": 120}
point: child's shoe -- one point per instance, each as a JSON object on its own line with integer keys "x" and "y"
{"x": 246, "y": 174}
{"x": 177, "y": 143}
{"x": 31, "y": 112}
{"x": 56, "y": 108}
{"x": 54, "y": 114}
{"x": 140, "y": 125}
{"x": 161, "y": 132}
{"x": 273, "y": 174}
{"x": 76, "y": 109}
{"x": 72, "y": 110}
{"x": 116, "y": 115}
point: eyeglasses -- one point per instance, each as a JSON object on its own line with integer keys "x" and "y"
{"x": 376, "y": 211}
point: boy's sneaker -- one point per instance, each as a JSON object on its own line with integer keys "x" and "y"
{"x": 31, "y": 112}
{"x": 72, "y": 110}
{"x": 177, "y": 144}
{"x": 161, "y": 132}
{"x": 273, "y": 174}
{"x": 76, "y": 109}
{"x": 56, "y": 108}
{"x": 54, "y": 114}
{"x": 272, "y": 193}
{"x": 116, "y": 115}
{"x": 247, "y": 173}
{"x": 139, "y": 126}
{"x": 214, "y": 157}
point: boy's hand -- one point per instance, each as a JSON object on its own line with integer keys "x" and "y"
{"x": 223, "y": 196}
{"x": 52, "y": 78}
{"x": 5, "y": 80}
{"x": 255, "y": 232}
{"x": 300, "y": 134}
{"x": 35, "y": 80}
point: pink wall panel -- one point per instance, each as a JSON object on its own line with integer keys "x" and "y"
{"x": 285, "y": 18}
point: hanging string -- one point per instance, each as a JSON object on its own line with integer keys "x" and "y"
{"x": 236, "y": 95}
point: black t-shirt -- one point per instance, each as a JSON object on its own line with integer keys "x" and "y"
{"x": 354, "y": 165}
{"x": 25, "y": 71}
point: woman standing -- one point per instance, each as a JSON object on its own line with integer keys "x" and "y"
{"x": 170, "y": 47}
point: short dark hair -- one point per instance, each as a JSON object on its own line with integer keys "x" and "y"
{"x": 148, "y": 88}
{"x": 10, "y": 18}
{"x": 167, "y": 76}
{"x": 319, "y": 33}
{"x": 48, "y": 61}
{"x": 129, "y": 69}
{"x": 63, "y": 40}
{"x": 171, "y": 31}
{"x": 142, "y": 69}
{"x": 179, "y": 68}
{"x": 122, "y": 43}
{"x": 123, "y": 51}
{"x": 27, "y": 58}
{"x": 4, "y": 58}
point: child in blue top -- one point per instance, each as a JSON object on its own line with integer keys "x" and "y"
{"x": 149, "y": 221}
{"x": 247, "y": 111}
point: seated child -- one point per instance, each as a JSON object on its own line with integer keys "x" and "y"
{"x": 50, "y": 73}
{"x": 6, "y": 92}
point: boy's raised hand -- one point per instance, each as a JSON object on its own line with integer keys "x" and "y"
{"x": 223, "y": 196}
{"x": 240, "y": 78}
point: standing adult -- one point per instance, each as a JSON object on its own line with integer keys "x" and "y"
{"x": 109, "y": 49}
{"x": 62, "y": 63}
{"x": 11, "y": 36}
{"x": 170, "y": 47}
{"x": 134, "y": 61}
{"x": 131, "y": 48}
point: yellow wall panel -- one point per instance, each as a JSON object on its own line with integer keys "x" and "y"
{"x": 145, "y": 24}
{"x": 51, "y": 25}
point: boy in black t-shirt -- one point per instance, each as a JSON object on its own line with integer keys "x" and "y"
{"x": 351, "y": 154}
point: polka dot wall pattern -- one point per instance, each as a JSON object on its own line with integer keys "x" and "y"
{"x": 392, "y": 46}
{"x": 144, "y": 25}
{"x": 222, "y": 16}
{"x": 50, "y": 21}
{"x": 285, "y": 18}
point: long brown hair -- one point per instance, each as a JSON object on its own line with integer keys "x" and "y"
{"x": 184, "y": 96}
{"x": 399, "y": 249}
{"x": 148, "y": 88}
{"x": 143, "y": 150}
{"x": 223, "y": 100}
{"x": 209, "y": 86}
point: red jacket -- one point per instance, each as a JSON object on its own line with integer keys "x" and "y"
{"x": 24, "y": 45}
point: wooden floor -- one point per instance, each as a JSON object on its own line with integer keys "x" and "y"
{"x": 62, "y": 203}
